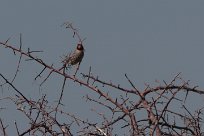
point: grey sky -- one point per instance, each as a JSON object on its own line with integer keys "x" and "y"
{"x": 148, "y": 40}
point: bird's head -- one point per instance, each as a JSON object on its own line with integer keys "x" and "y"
{"x": 80, "y": 47}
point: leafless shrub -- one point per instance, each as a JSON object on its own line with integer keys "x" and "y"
{"x": 155, "y": 103}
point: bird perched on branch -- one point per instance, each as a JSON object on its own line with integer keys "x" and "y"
{"x": 76, "y": 57}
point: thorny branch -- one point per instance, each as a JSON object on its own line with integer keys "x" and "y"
{"x": 123, "y": 111}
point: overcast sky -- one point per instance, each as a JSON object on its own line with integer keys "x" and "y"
{"x": 149, "y": 40}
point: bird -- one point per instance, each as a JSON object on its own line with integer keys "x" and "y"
{"x": 76, "y": 57}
